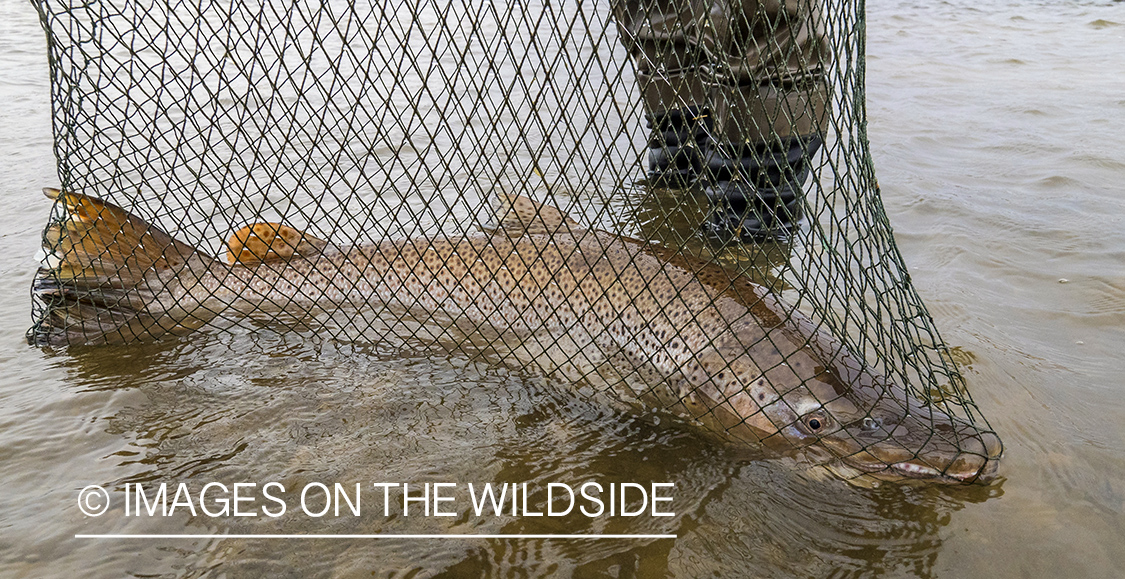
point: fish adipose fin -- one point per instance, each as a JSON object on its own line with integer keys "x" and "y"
{"x": 517, "y": 215}
{"x": 101, "y": 270}
{"x": 264, "y": 241}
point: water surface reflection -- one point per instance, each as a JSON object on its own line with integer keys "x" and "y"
{"x": 295, "y": 409}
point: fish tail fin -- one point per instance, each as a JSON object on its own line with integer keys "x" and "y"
{"x": 518, "y": 215}
{"x": 103, "y": 273}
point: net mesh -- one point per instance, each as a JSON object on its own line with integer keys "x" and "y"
{"x": 719, "y": 248}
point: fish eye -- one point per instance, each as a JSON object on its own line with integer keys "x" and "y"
{"x": 815, "y": 422}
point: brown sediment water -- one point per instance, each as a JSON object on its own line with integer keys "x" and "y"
{"x": 997, "y": 130}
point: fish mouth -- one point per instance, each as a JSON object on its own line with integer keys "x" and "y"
{"x": 985, "y": 474}
{"x": 974, "y": 460}
{"x": 917, "y": 471}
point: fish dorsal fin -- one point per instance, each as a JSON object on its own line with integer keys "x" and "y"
{"x": 518, "y": 215}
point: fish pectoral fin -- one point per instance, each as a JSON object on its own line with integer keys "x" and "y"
{"x": 518, "y": 215}
{"x": 266, "y": 241}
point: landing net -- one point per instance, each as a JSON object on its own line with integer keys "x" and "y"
{"x": 723, "y": 136}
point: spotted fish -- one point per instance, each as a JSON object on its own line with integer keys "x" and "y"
{"x": 675, "y": 333}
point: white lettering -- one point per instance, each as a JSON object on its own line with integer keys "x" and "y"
{"x": 266, "y": 493}
{"x": 223, "y": 501}
{"x": 340, "y": 492}
{"x": 327, "y": 499}
{"x": 183, "y": 491}
{"x": 656, "y": 499}
{"x": 551, "y": 500}
{"x": 592, "y": 499}
{"x": 238, "y": 499}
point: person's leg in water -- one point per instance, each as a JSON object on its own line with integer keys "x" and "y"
{"x": 741, "y": 84}
{"x": 675, "y": 85}
{"x": 769, "y": 98}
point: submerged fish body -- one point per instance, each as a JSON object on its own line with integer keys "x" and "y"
{"x": 678, "y": 334}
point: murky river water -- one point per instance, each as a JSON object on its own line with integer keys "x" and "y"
{"x": 998, "y": 131}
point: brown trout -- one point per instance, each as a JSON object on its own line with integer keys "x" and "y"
{"x": 680, "y": 335}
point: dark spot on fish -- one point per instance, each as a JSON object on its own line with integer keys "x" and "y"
{"x": 739, "y": 288}
{"x": 943, "y": 426}
{"x": 829, "y": 377}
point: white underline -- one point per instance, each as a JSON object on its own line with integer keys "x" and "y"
{"x": 378, "y": 536}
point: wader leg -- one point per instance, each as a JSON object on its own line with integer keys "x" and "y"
{"x": 767, "y": 139}
{"x": 734, "y": 95}
{"x": 674, "y": 84}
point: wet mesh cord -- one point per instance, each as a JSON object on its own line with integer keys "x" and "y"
{"x": 671, "y": 203}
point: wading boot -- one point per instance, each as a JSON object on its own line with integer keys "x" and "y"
{"x": 677, "y": 146}
{"x": 766, "y": 137}
{"x": 755, "y": 191}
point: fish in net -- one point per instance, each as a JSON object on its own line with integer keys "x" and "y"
{"x": 721, "y": 251}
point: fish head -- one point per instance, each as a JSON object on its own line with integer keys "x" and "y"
{"x": 870, "y": 429}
